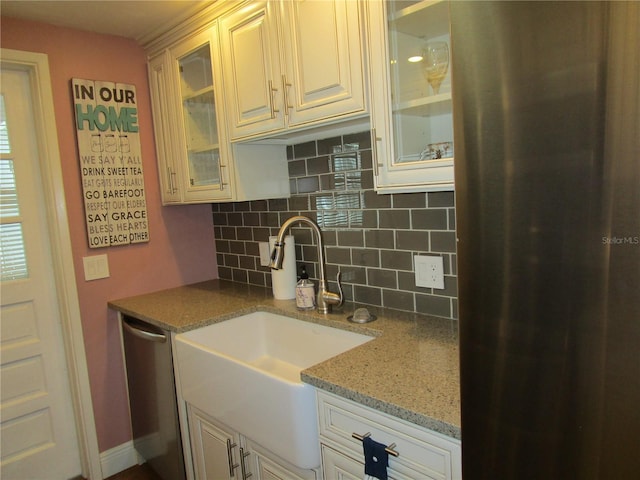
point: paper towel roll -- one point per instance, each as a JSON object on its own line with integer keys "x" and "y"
{"x": 283, "y": 281}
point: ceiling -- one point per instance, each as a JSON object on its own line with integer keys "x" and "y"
{"x": 136, "y": 19}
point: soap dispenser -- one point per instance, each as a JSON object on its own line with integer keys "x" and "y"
{"x": 305, "y": 291}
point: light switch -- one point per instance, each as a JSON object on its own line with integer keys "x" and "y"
{"x": 96, "y": 267}
{"x": 429, "y": 270}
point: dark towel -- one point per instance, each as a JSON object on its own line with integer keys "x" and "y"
{"x": 376, "y": 458}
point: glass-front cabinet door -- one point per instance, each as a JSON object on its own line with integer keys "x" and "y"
{"x": 202, "y": 157}
{"x": 412, "y": 114}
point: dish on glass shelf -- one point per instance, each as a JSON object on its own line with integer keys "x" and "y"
{"x": 436, "y": 151}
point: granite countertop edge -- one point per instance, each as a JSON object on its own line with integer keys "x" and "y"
{"x": 402, "y": 340}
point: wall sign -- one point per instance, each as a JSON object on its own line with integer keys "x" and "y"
{"x": 110, "y": 162}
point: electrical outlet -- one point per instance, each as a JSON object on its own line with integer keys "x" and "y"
{"x": 429, "y": 270}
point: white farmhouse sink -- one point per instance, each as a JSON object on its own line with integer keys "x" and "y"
{"x": 245, "y": 372}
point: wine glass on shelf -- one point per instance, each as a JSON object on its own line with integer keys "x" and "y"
{"x": 436, "y": 64}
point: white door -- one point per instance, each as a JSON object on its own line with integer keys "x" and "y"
{"x": 38, "y": 433}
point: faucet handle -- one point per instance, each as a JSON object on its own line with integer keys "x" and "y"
{"x": 339, "y": 281}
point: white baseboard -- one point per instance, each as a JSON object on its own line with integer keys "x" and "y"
{"x": 118, "y": 459}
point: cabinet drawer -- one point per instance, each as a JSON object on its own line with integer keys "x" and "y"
{"x": 421, "y": 451}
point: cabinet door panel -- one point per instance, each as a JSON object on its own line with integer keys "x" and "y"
{"x": 412, "y": 118}
{"x": 160, "y": 86}
{"x": 209, "y": 448}
{"x": 324, "y": 59}
{"x": 252, "y": 72}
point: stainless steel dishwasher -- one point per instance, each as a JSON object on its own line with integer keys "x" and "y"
{"x": 152, "y": 397}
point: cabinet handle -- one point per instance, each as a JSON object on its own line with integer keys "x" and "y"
{"x": 374, "y": 151}
{"x": 285, "y": 94}
{"x": 222, "y": 182}
{"x": 272, "y": 104}
{"x": 243, "y": 468}
{"x": 230, "y": 447}
{"x": 389, "y": 449}
{"x": 172, "y": 188}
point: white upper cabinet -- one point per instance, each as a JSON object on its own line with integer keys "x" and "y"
{"x": 193, "y": 160}
{"x": 291, "y": 65}
{"x": 196, "y": 161}
{"x": 410, "y": 92}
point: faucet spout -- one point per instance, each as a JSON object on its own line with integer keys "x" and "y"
{"x": 325, "y": 298}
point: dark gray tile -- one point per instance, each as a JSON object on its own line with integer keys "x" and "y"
{"x": 443, "y": 241}
{"x": 433, "y": 305}
{"x": 289, "y": 152}
{"x": 396, "y": 260}
{"x": 220, "y": 258}
{"x": 278, "y": 204}
{"x": 318, "y": 165}
{"x": 394, "y": 219}
{"x": 252, "y": 248}
{"x": 299, "y": 202}
{"x": 247, "y": 262}
{"x": 251, "y": 219}
{"x": 309, "y": 253}
{"x": 407, "y": 282}
{"x": 368, "y": 257}
{"x": 302, "y": 235}
{"x": 222, "y": 246}
{"x": 261, "y": 234}
{"x": 259, "y": 206}
{"x": 367, "y": 295}
{"x": 361, "y": 139}
{"x": 239, "y": 275}
{"x": 231, "y": 260}
{"x": 440, "y": 199}
{"x": 429, "y": 219}
{"x": 226, "y": 207}
{"x": 366, "y": 162}
{"x": 414, "y": 240}
{"x": 450, "y": 287}
{"x": 329, "y": 145}
{"x": 256, "y": 278}
{"x": 350, "y": 274}
{"x": 452, "y": 218}
{"x": 373, "y": 200}
{"x": 225, "y": 273}
{"x": 366, "y": 179}
{"x": 454, "y": 308}
{"x": 269, "y": 220}
{"x": 409, "y": 200}
{"x": 308, "y": 184}
{"x": 350, "y": 238}
{"x": 297, "y": 168}
{"x": 244, "y": 233}
{"x": 304, "y": 150}
{"x": 379, "y": 238}
{"x": 242, "y": 206}
{"x": 382, "y": 278}
{"x": 220, "y": 219}
{"x": 236, "y": 247}
{"x": 398, "y": 300}
{"x": 338, "y": 255}
{"x": 228, "y": 233}
{"x": 234, "y": 219}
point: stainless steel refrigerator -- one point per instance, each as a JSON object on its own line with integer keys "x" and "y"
{"x": 547, "y": 174}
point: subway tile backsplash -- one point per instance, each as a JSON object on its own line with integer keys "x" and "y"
{"x": 370, "y": 238}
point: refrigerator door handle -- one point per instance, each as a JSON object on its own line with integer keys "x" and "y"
{"x": 144, "y": 334}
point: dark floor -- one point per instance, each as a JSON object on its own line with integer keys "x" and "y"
{"x": 139, "y": 472}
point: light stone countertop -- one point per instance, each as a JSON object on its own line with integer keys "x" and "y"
{"x": 410, "y": 370}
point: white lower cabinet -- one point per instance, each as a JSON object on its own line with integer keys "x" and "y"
{"x": 422, "y": 454}
{"x": 220, "y": 453}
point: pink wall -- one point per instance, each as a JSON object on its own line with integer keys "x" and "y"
{"x": 181, "y": 248}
